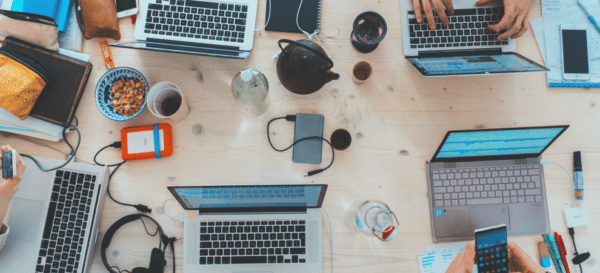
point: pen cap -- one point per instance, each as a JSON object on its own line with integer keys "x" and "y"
{"x": 544, "y": 254}
{"x": 577, "y": 161}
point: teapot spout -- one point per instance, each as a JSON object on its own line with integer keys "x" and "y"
{"x": 332, "y": 76}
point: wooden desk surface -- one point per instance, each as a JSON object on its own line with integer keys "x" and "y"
{"x": 397, "y": 120}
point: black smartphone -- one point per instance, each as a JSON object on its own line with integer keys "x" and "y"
{"x": 491, "y": 247}
{"x": 308, "y": 151}
{"x": 9, "y": 165}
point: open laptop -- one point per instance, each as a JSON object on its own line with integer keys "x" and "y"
{"x": 254, "y": 228}
{"x": 223, "y": 28}
{"x": 465, "y": 47}
{"x": 481, "y": 178}
{"x": 54, "y": 218}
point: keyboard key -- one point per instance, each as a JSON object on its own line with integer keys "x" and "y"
{"x": 484, "y": 201}
{"x": 249, "y": 260}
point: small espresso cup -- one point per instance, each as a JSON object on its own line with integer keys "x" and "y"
{"x": 341, "y": 139}
{"x": 166, "y": 101}
{"x": 361, "y": 72}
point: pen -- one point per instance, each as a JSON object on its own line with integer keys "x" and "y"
{"x": 553, "y": 249}
{"x": 585, "y": 5}
{"x": 578, "y": 172}
{"x": 563, "y": 251}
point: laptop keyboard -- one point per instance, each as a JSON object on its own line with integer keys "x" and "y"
{"x": 252, "y": 242}
{"x": 215, "y": 21}
{"x": 66, "y": 224}
{"x": 467, "y": 28}
{"x": 481, "y": 186}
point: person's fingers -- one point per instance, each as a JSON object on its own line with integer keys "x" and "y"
{"x": 429, "y": 14}
{"x": 439, "y": 8}
{"x": 506, "y": 22}
{"x": 417, "y": 5}
{"x": 483, "y": 2}
{"x": 517, "y": 25}
{"x": 449, "y": 6}
{"x": 4, "y": 149}
{"x": 524, "y": 28}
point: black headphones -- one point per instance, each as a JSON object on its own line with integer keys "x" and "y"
{"x": 157, "y": 258}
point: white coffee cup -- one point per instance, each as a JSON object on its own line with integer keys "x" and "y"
{"x": 163, "y": 99}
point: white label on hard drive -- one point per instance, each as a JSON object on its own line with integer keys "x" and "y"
{"x": 143, "y": 142}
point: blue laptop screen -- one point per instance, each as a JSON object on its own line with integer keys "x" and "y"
{"x": 477, "y": 64}
{"x": 231, "y": 197}
{"x": 498, "y": 142}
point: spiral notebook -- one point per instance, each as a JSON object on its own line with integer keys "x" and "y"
{"x": 283, "y": 17}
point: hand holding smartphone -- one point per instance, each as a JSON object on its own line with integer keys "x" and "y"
{"x": 491, "y": 249}
{"x": 9, "y": 164}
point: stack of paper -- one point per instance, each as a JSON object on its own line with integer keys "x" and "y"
{"x": 35, "y": 127}
{"x": 548, "y": 36}
{"x": 72, "y": 38}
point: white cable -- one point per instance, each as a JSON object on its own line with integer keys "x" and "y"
{"x": 317, "y": 31}
{"x": 180, "y": 219}
{"x": 330, "y": 237}
{"x": 544, "y": 161}
{"x": 268, "y": 18}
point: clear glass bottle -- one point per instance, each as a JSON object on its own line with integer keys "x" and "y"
{"x": 372, "y": 218}
{"x": 250, "y": 89}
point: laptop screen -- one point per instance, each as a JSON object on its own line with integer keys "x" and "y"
{"x": 247, "y": 197}
{"x": 474, "y": 64}
{"x": 497, "y": 143}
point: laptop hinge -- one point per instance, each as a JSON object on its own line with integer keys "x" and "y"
{"x": 189, "y": 44}
{"x": 240, "y": 211}
{"x": 466, "y": 52}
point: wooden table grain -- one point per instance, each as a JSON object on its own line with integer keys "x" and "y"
{"x": 397, "y": 119}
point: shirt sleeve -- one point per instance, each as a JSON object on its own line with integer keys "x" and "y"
{"x": 4, "y": 230}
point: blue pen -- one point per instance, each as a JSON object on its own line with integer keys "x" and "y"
{"x": 587, "y": 7}
{"x": 554, "y": 253}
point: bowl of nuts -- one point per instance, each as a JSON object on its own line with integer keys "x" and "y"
{"x": 121, "y": 93}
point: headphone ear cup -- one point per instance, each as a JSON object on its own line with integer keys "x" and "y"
{"x": 140, "y": 270}
{"x": 157, "y": 261}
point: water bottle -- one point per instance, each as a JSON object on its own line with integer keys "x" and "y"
{"x": 250, "y": 89}
{"x": 372, "y": 218}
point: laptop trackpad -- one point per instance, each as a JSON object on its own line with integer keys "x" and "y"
{"x": 25, "y": 220}
{"x": 452, "y": 222}
{"x": 489, "y": 216}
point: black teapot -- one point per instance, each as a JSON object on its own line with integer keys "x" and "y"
{"x": 303, "y": 66}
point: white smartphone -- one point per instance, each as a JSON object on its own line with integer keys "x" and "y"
{"x": 126, "y": 8}
{"x": 575, "y": 52}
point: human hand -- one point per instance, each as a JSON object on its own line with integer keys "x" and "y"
{"x": 9, "y": 187}
{"x": 515, "y": 20}
{"x": 439, "y": 9}
{"x": 518, "y": 260}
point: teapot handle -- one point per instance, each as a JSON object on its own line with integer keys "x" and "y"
{"x": 306, "y": 47}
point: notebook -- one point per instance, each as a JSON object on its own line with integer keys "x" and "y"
{"x": 68, "y": 76}
{"x": 55, "y": 9}
{"x": 283, "y": 17}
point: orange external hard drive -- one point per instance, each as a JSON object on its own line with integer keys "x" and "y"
{"x": 143, "y": 142}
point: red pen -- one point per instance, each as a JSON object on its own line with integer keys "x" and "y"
{"x": 563, "y": 251}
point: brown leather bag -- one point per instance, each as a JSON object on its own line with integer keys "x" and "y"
{"x": 99, "y": 19}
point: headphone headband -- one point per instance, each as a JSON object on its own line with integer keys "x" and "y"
{"x": 113, "y": 229}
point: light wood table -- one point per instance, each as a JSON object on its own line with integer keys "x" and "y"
{"x": 397, "y": 120}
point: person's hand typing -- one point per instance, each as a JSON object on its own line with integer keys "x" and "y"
{"x": 518, "y": 260}
{"x": 9, "y": 187}
{"x": 440, "y": 7}
{"x": 515, "y": 20}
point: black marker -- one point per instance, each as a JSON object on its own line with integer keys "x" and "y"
{"x": 578, "y": 172}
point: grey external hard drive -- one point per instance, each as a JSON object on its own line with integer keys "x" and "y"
{"x": 308, "y": 151}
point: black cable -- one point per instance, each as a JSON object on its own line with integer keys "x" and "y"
{"x": 71, "y": 154}
{"x": 572, "y": 233}
{"x": 293, "y": 118}
{"x": 117, "y": 144}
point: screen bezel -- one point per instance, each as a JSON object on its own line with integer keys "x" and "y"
{"x": 411, "y": 60}
{"x": 495, "y": 157}
{"x": 127, "y": 12}
{"x": 574, "y": 76}
{"x": 252, "y": 209}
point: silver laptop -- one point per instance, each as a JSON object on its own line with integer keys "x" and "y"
{"x": 223, "y": 28}
{"x": 54, "y": 219}
{"x": 481, "y": 178}
{"x": 254, "y": 228}
{"x": 465, "y": 47}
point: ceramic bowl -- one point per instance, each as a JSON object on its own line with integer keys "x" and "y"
{"x": 104, "y": 95}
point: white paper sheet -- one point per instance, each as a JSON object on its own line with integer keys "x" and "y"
{"x": 72, "y": 38}
{"x": 437, "y": 258}
{"x": 537, "y": 25}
